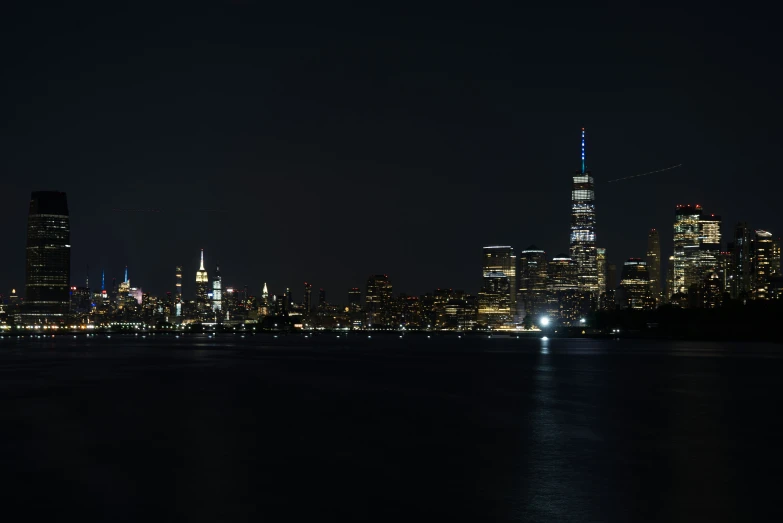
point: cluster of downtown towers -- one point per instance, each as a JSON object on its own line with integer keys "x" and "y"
{"x": 517, "y": 291}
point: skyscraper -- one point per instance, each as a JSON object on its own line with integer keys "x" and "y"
{"x": 741, "y": 263}
{"x": 202, "y": 285}
{"x": 48, "y": 267}
{"x": 378, "y": 301}
{"x": 497, "y": 298}
{"x": 564, "y": 299}
{"x": 355, "y": 299}
{"x": 582, "y": 244}
{"x": 600, "y": 261}
{"x": 686, "y": 246}
{"x": 762, "y": 263}
{"x": 178, "y": 290}
{"x": 654, "y": 265}
{"x": 307, "y": 299}
{"x": 634, "y": 290}
{"x": 178, "y": 283}
{"x": 532, "y": 278}
{"x": 217, "y": 291}
{"x": 321, "y": 298}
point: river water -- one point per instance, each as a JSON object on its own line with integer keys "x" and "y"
{"x": 387, "y": 429}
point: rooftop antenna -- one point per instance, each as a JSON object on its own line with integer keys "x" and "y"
{"x": 583, "y": 150}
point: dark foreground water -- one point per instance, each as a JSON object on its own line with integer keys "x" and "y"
{"x": 292, "y": 429}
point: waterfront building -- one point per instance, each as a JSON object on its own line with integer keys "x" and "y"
{"x": 48, "y": 264}
{"x": 582, "y": 239}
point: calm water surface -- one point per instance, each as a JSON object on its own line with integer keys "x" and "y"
{"x": 382, "y": 429}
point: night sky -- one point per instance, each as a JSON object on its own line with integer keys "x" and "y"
{"x": 327, "y": 146}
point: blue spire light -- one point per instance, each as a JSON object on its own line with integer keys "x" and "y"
{"x": 103, "y": 280}
{"x": 126, "y": 274}
{"x": 583, "y": 150}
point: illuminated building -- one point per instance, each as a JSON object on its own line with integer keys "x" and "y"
{"x": 634, "y": 290}
{"x": 307, "y": 298}
{"x": 202, "y": 285}
{"x": 711, "y": 290}
{"x": 654, "y": 265}
{"x": 378, "y": 301}
{"x": 686, "y": 246}
{"x": 355, "y": 299}
{"x": 48, "y": 267}
{"x": 600, "y": 262}
{"x": 494, "y": 301}
{"x": 582, "y": 243}
{"x": 670, "y": 290}
{"x": 741, "y": 263}
{"x": 178, "y": 289}
{"x": 532, "y": 278}
{"x": 611, "y": 286}
{"x": 761, "y": 263}
{"x": 497, "y": 298}
{"x": 410, "y": 316}
{"x": 217, "y": 291}
{"x": 709, "y": 247}
{"x": 565, "y": 301}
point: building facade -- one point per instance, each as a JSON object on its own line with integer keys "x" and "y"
{"x": 497, "y": 298}
{"x": 582, "y": 240}
{"x": 634, "y": 290}
{"x": 654, "y": 265}
{"x": 48, "y": 264}
{"x": 532, "y": 282}
{"x": 202, "y": 286}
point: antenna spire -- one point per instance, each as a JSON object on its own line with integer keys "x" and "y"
{"x": 126, "y": 274}
{"x": 583, "y": 150}
{"x": 202, "y": 260}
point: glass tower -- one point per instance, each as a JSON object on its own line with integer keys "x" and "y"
{"x": 497, "y": 299}
{"x": 582, "y": 245}
{"x": 654, "y": 265}
{"x": 687, "y": 232}
{"x": 48, "y": 268}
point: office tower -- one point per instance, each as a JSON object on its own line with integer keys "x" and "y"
{"x": 178, "y": 283}
{"x": 355, "y": 299}
{"x": 321, "y": 298}
{"x": 775, "y": 267}
{"x": 686, "y": 245}
{"x": 202, "y": 285}
{"x": 611, "y": 277}
{"x": 654, "y": 265}
{"x": 378, "y": 301}
{"x": 711, "y": 290}
{"x": 265, "y": 293}
{"x": 761, "y": 262}
{"x": 290, "y": 296}
{"x": 634, "y": 290}
{"x": 741, "y": 276}
{"x": 497, "y": 298}
{"x": 48, "y": 267}
{"x": 532, "y": 278}
{"x": 217, "y": 291}
{"x": 600, "y": 262}
{"x": 582, "y": 242}
{"x": 307, "y": 299}
{"x": 564, "y": 299}
{"x": 709, "y": 248}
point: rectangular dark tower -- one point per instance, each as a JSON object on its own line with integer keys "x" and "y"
{"x": 48, "y": 268}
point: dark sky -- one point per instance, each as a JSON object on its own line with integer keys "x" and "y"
{"x": 339, "y": 144}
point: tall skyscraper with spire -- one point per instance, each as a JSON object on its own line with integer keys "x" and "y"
{"x": 582, "y": 245}
{"x": 202, "y": 285}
